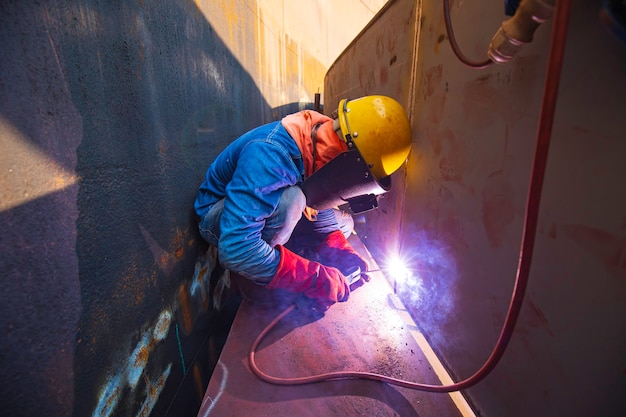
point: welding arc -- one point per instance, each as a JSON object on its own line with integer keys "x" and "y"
{"x": 555, "y": 60}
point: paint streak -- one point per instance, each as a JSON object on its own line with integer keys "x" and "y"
{"x": 218, "y": 293}
{"x": 223, "y": 382}
{"x": 138, "y": 360}
{"x": 202, "y": 273}
{"x": 109, "y": 397}
{"x": 163, "y": 325}
{"x": 193, "y": 297}
{"x": 130, "y": 372}
{"x": 180, "y": 351}
{"x": 153, "y": 391}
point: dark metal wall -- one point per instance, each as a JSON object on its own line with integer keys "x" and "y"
{"x": 110, "y": 113}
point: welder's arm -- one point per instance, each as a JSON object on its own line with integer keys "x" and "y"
{"x": 325, "y": 285}
{"x": 336, "y": 251}
{"x": 252, "y": 195}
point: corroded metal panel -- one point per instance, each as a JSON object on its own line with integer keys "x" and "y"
{"x": 287, "y": 46}
{"x": 380, "y": 60}
{"x": 463, "y": 207}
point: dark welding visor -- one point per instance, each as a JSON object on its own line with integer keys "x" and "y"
{"x": 345, "y": 179}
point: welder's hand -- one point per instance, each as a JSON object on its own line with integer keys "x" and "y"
{"x": 325, "y": 285}
{"x": 336, "y": 251}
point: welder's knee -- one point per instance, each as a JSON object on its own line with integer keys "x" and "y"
{"x": 280, "y": 225}
{"x": 293, "y": 202}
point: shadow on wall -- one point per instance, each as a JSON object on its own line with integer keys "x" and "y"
{"x": 113, "y": 111}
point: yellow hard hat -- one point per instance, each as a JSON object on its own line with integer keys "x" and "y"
{"x": 380, "y": 130}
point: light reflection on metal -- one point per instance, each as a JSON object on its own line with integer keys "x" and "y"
{"x": 429, "y": 289}
{"x": 399, "y": 272}
{"x": 28, "y": 173}
{"x": 287, "y": 59}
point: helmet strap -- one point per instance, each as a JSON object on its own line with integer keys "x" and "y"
{"x": 348, "y": 135}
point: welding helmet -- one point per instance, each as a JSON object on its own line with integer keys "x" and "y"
{"x": 379, "y": 128}
{"x": 378, "y": 135}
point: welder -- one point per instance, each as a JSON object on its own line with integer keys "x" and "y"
{"x": 260, "y": 200}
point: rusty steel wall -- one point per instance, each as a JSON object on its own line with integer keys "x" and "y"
{"x": 110, "y": 113}
{"x": 287, "y": 46}
{"x": 379, "y": 61}
{"x": 459, "y": 207}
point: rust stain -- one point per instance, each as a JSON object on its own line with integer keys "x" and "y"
{"x": 202, "y": 275}
{"x": 153, "y": 391}
{"x": 497, "y": 213}
{"x": 433, "y": 79}
{"x": 384, "y": 76}
{"x": 185, "y": 308}
{"x": 436, "y": 108}
{"x": 197, "y": 379}
{"x": 162, "y": 258}
{"x": 453, "y": 162}
{"x": 162, "y": 327}
{"x": 142, "y": 356}
{"x": 366, "y": 78}
{"x": 482, "y": 105}
{"x": 498, "y": 208}
{"x": 380, "y": 48}
{"x": 392, "y": 43}
{"x": 165, "y": 260}
{"x": 605, "y": 247}
{"x": 537, "y": 319}
{"x": 112, "y": 399}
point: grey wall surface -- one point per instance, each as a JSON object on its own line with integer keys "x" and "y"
{"x": 110, "y": 113}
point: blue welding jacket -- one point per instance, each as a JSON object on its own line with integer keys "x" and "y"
{"x": 251, "y": 175}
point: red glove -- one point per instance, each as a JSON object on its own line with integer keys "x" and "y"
{"x": 337, "y": 252}
{"x": 321, "y": 283}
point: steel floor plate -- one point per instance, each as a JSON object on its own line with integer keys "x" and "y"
{"x": 366, "y": 333}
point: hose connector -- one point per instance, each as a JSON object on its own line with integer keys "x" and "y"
{"x": 519, "y": 30}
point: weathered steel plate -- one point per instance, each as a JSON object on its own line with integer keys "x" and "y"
{"x": 366, "y": 333}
